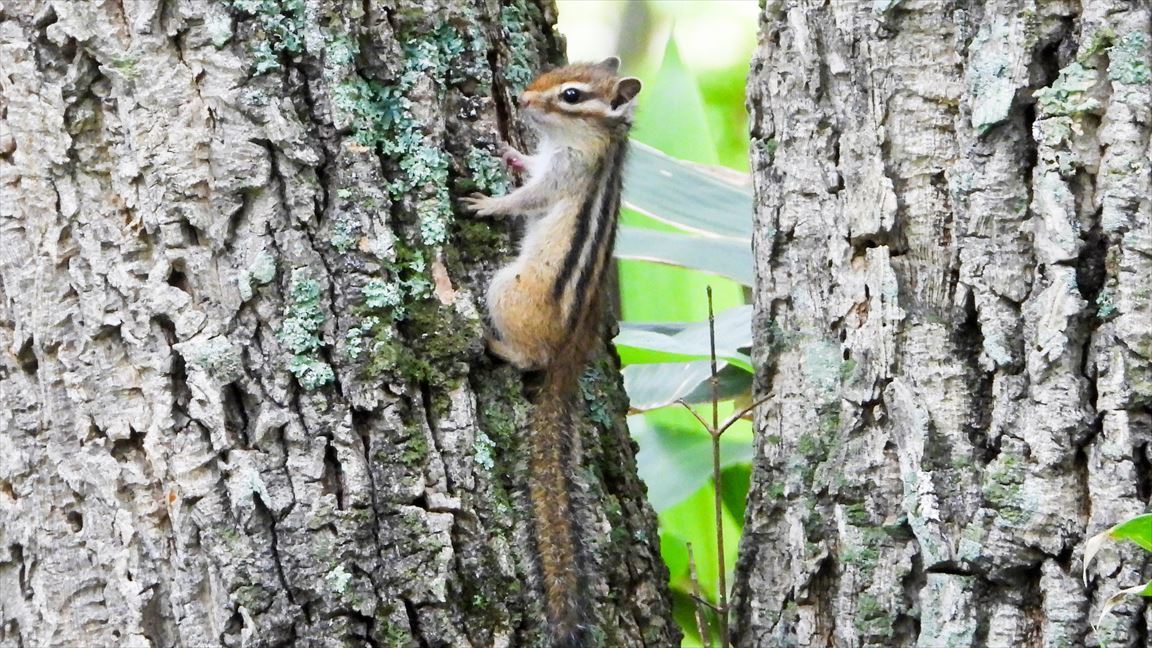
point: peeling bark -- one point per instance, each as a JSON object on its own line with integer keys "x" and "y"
{"x": 243, "y": 393}
{"x": 954, "y": 314}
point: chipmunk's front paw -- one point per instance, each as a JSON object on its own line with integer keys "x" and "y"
{"x": 480, "y": 204}
{"x": 515, "y": 160}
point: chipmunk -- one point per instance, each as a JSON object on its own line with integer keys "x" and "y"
{"x": 544, "y": 308}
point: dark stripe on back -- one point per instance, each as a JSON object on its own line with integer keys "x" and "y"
{"x": 603, "y": 236}
{"x": 576, "y": 243}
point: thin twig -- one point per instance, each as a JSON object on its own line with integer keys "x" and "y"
{"x": 701, "y": 620}
{"x": 718, "y": 502}
{"x": 742, "y": 413}
{"x": 703, "y": 601}
{"x": 694, "y": 413}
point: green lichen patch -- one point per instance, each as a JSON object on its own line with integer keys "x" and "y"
{"x": 597, "y": 396}
{"x": 218, "y": 26}
{"x": 345, "y": 233}
{"x": 369, "y": 108}
{"x": 1129, "y": 60}
{"x": 407, "y": 334}
{"x": 384, "y": 296}
{"x": 1070, "y": 95}
{"x": 311, "y": 372}
{"x": 300, "y": 332}
{"x": 1105, "y": 305}
{"x": 337, "y": 579}
{"x": 1003, "y": 482}
{"x": 514, "y": 23}
{"x": 218, "y": 357}
{"x": 354, "y": 343}
{"x": 488, "y": 174}
{"x": 380, "y": 115}
{"x": 279, "y": 28}
{"x": 482, "y": 450}
{"x": 262, "y": 270}
{"x": 1101, "y": 41}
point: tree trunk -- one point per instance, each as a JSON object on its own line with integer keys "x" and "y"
{"x": 955, "y": 260}
{"x": 243, "y": 397}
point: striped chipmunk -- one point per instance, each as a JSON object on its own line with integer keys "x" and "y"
{"x": 544, "y": 308}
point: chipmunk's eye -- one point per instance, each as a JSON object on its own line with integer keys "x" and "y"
{"x": 572, "y": 95}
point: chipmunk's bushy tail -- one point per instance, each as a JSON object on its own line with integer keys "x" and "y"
{"x": 553, "y": 461}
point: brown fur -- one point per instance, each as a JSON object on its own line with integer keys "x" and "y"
{"x": 600, "y": 78}
{"x": 544, "y": 307}
{"x": 553, "y": 455}
{"x": 544, "y": 91}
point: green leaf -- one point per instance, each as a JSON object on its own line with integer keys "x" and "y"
{"x": 675, "y": 552}
{"x": 651, "y": 386}
{"x": 721, "y": 256}
{"x": 735, "y": 482}
{"x": 676, "y": 462}
{"x": 683, "y": 133}
{"x": 1138, "y": 530}
{"x": 687, "y": 196}
{"x": 638, "y": 345}
{"x": 666, "y": 328}
{"x": 733, "y": 330}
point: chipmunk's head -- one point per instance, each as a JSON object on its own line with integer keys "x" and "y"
{"x": 569, "y": 102}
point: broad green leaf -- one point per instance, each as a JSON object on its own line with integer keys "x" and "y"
{"x": 636, "y": 347}
{"x": 667, "y": 328}
{"x": 722, "y": 256}
{"x": 738, "y": 318}
{"x": 674, "y": 463}
{"x": 645, "y": 344}
{"x": 733, "y": 330}
{"x": 687, "y": 196}
{"x": 651, "y": 291}
{"x": 675, "y": 552}
{"x": 651, "y": 386}
{"x": 1138, "y": 530}
{"x": 736, "y": 480}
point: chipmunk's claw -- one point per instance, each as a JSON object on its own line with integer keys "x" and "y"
{"x": 479, "y": 204}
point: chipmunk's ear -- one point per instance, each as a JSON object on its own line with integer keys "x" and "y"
{"x": 626, "y": 90}
{"x": 612, "y": 64}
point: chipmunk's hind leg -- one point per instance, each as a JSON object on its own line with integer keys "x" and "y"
{"x": 511, "y": 354}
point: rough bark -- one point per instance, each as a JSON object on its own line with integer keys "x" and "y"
{"x": 243, "y": 393}
{"x": 955, "y": 268}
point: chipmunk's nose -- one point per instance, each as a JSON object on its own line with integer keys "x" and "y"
{"x": 526, "y": 99}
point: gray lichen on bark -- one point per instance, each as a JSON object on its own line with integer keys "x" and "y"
{"x": 243, "y": 397}
{"x": 954, "y": 312}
